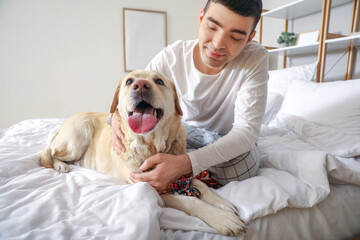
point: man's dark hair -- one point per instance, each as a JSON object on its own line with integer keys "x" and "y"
{"x": 246, "y": 8}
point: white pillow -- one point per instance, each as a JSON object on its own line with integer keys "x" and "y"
{"x": 278, "y": 84}
{"x": 325, "y": 138}
{"x": 273, "y": 105}
{"x": 333, "y": 104}
{"x": 279, "y": 80}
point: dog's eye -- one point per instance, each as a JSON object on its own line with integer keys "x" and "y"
{"x": 129, "y": 81}
{"x": 159, "y": 81}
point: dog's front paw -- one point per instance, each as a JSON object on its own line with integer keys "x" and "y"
{"x": 227, "y": 206}
{"x": 212, "y": 198}
{"x": 227, "y": 223}
{"x": 61, "y": 166}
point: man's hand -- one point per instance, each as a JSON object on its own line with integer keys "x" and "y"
{"x": 165, "y": 169}
{"x": 117, "y": 135}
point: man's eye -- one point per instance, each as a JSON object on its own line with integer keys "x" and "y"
{"x": 211, "y": 26}
{"x": 159, "y": 81}
{"x": 129, "y": 81}
{"x": 236, "y": 39}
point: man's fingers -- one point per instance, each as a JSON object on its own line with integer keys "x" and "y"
{"x": 146, "y": 166}
{"x": 150, "y": 162}
{"x": 158, "y": 171}
{"x": 140, "y": 177}
{"x": 117, "y": 136}
{"x": 120, "y": 133}
{"x": 147, "y": 177}
{"x": 117, "y": 133}
{"x": 118, "y": 147}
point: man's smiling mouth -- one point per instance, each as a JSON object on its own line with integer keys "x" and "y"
{"x": 214, "y": 54}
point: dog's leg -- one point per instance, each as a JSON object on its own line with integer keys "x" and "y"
{"x": 70, "y": 151}
{"x": 45, "y": 158}
{"x": 212, "y": 198}
{"x": 55, "y": 158}
{"x": 225, "y": 222}
{"x": 49, "y": 161}
{"x": 60, "y": 166}
{"x": 69, "y": 143}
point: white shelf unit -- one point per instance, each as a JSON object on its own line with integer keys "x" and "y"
{"x": 332, "y": 44}
{"x": 295, "y": 50}
{"x": 300, "y": 8}
{"x": 303, "y": 8}
{"x": 353, "y": 40}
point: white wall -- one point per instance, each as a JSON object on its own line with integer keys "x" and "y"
{"x": 59, "y": 57}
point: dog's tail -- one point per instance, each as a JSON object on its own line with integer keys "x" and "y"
{"x": 45, "y": 158}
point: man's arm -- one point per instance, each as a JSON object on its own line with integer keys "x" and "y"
{"x": 248, "y": 113}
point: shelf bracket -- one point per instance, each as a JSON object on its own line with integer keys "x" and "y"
{"x": 352, "y": 49}
{"x": 325, "y": 17}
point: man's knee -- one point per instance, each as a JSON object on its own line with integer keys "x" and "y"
{"x": 240, "y": 168}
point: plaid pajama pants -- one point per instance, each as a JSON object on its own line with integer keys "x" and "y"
{"x": 242, "y": 167}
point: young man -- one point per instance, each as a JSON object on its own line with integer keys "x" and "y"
{"x": 221, "y": 80}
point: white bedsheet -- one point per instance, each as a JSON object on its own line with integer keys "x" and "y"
{"x": 36, "y": 202}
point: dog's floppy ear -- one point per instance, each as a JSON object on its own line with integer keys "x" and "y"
{"x": 177, "y": 102}
{"x": 115, "y": 101}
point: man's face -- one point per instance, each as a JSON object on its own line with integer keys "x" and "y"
{"x": 222, "y": 36}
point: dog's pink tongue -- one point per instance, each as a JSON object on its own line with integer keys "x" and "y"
{"x": 142, "y": 120}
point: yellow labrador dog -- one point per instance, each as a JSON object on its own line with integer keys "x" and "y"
{"x": 150, "y": 117}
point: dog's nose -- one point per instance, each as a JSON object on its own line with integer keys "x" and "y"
{"x": 141, "y": 85}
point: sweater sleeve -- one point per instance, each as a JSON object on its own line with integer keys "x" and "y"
{"x": 248, "y": 113}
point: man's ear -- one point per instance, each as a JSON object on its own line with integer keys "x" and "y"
{"x": 252, "y": 35}
{"x": 115, "y": 101}
{"x": 202, "y": 13}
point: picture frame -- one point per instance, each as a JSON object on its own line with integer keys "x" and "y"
{"x": 308, "y": 38}
{"x": 144, "y": 35}
{"x": 312, "y": 37}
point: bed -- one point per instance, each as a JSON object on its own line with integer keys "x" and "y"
{"x": 308, "y": 186}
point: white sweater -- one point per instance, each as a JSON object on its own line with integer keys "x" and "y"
{"x": 231, "y": 102}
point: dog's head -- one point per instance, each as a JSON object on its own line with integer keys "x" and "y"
{"x": 145, "y": 99}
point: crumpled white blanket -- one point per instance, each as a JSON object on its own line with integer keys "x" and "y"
{"x": 37, "y": 203}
